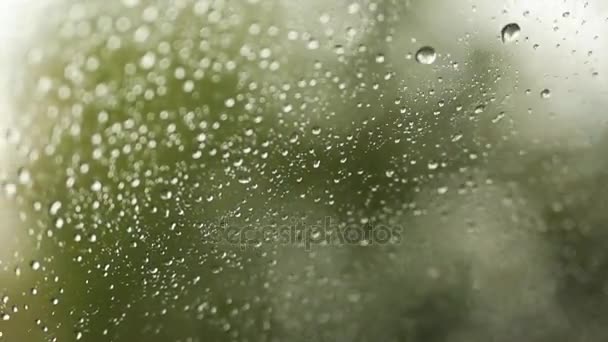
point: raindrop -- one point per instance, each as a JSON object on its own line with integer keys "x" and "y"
{"x": 313, "y": 44}
{"x": 35, "y": 265}
{"x": 510, "y": 32}
{"x": 442, "y": 190}
{"x": 24, "y": 176}
{"x": 166, "y": 195}
{"x": 10, "y": 189}
{"x": 426, "y": 55}
{"x": 147, "y": 61}
{"x": 96, "y": 186}
{"x": 229, "y": 103}
{"x": 545, "y": 94}
{"x": 54, "y": 208}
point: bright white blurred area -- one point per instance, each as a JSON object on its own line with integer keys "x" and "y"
{"x": 16, "y": 18}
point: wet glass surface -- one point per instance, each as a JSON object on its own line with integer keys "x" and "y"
{"x": 278, "y": 170}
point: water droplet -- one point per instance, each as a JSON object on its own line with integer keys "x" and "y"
{"x": 96, "y": 186}
{"x": 10, "y": 189}
{"x": 229, "y": 103}
{"x": 313, "y": 44}
{"x": 545, "y": 94}
{"x": 147, "y": 61}
{"x": 426, "y": 55}
{"x": 54, "y": 208}
{"x": 510, "y": 32}
{"x": 432, "y": 165}
{"x": 35, "y": 265}
{"x": 166, "y": 195}
{"x": 24, "y": 176}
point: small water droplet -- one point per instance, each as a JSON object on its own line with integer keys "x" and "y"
{"x": 313, "y": 44}
{"x": 147, "y": 61}
{"x": 54, "y": 208}
{"x": 166, "y": 195}
{"x": 96, "y": 186}
{"x": 246, "y": 180}
{"x": 229, "y": 103}
{"x": 35, "y": 265}
{"x": 10, "y": 189}
{"x": 24, "y": 176}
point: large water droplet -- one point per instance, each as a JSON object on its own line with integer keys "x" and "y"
{"x": 545, "y": 94}
{"x": 510, "y": 32}
{"x": 426, "y": 55}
